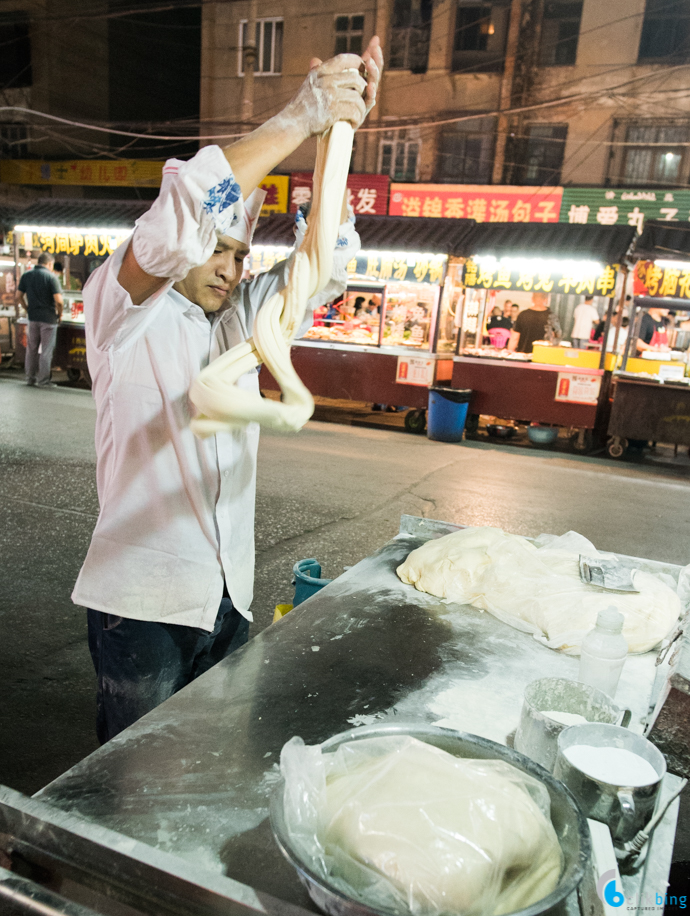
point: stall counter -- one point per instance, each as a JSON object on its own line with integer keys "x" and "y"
{"x": 648, "y": 410}
{"x": 194, "y": 777}
{"x": 534, "y": 392}
{"x": 360, "y": 373}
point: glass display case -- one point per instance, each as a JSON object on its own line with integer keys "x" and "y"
{"x": 450, "y": 311}
{"x": 73, "y": 308}
{"x": 409, "y": 315}
{"x": 355, "y": 318}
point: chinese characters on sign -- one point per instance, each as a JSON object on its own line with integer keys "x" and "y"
{"x": 71, "y": 241}
{"x": 413, "y": 370}
{"x": 142, "y": 173}
{"x": 621, "y": 207}
{"x": 263, "y": 257}
{"x": 494, "y": 275}
{"x": 575, "y": 388}
{"x": 276, "y": 188}
{"x": 366, "y": 194}
{"x": 483, "y": 203}
{"x": 383, "y": 266}
{"x": 661, "y": 282}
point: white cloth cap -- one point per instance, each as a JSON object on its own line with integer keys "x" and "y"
{"x": 243, "y": 231}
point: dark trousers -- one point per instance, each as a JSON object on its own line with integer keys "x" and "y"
{"x": 141, "y": 663}
{"x": 37, "y": 367}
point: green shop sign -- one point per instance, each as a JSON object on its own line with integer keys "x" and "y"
{"x": 623, "y": 206}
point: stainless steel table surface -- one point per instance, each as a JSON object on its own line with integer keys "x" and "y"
{"x": 193, "y": 777}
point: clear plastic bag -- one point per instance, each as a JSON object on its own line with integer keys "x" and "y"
{"x": 401, "y": 825}
{"x": 535, "y": 586}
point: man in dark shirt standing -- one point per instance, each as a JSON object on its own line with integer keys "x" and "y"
{"x": 40, "y": 294}
{"x": 530, "y": 324}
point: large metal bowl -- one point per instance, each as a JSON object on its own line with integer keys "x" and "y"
{"x": 568, "y": 821}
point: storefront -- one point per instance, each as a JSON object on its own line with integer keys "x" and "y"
{"x": 387, "y": 339}
{"x": 553, "y": 384}
{"x": 79, "y": 251}
{"x": 651, "y": 391}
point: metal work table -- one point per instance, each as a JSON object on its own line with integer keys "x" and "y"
{"x": 193, "y": 778}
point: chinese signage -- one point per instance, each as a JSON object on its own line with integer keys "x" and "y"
{"x": 384, "y": 266}
{"x": 141, "y": 173}
{"x": 71, "y": 241}
{"x": 413, "y": 370}
{"x": 621, "y": 207}
{"x": 531, "y": 277}
{"x": 263, "y": 257}
{"x": 483, "y": 203}
{"x": 276, "y": 188}
{"x": 366, "y": 194}
{"x": 661, "y": 282}
{"x": 578, "y": 389}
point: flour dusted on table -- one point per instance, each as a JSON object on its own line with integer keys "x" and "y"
{"x": 536, "y": 586}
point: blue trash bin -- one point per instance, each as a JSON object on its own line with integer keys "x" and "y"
{"x": 308, "y": 580}
{"x": 447, "y": 413}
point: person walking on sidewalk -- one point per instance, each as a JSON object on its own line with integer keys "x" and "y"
{"x": 41, "y": 295}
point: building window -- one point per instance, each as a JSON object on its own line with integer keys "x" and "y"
{"x": 13, "y": 141}
{"x": 465, "y": 152}
{"x": 537, "y": 157}
{"x": 657, "y": 156}
{"x": 480, "y": 36}
{"x": 399, "y": 155}
{"x": 559, "y": 33}
{"x": 349, "y": 32}
{"x": 269, "y": 46}
{"x": 15, "y": 51}
{"x": 665, "y": 30}
{"x": 410, "y": 32}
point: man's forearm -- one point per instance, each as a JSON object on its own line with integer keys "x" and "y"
{"x": 257, "y": 154}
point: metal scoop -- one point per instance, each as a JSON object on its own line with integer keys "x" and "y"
{"x": 608, "y": 572}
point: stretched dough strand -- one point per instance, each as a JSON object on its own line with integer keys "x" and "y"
{"x": 224, "y": 406}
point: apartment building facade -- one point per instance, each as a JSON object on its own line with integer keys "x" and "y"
{"x": 534, "y": 92}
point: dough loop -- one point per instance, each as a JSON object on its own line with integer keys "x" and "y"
{"x": 224, "y": 406}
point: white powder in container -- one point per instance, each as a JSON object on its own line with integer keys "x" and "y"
{"x": 564, "y": 718}
{"x": 614, "y": 765}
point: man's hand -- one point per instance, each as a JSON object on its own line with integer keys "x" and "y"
{"x": 337, "y": 91}
{"x": 332, "y": 92}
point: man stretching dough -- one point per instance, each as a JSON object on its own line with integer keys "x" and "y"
{"x": 168, "y": 578}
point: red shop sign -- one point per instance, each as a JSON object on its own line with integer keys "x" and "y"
{"x": 367, "y": 194}
{"x": 483, "y": 203}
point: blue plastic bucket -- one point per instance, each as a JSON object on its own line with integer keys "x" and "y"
{"x": 308, "y": 580}
{"x": 447, "y": 413}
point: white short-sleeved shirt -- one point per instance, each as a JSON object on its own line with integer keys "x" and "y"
{"x": 176, "y": 512}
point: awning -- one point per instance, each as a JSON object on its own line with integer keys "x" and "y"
{"x": 383, "y": 233}
{"x": 71, "y": 213}
{"x": 605, "y": 244}
{"x": 661, "y": 239}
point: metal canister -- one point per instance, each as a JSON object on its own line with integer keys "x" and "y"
{"x": 624, "y": 809}
{"x": 537, "y": 734}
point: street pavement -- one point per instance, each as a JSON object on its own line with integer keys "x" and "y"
{"x": 331, "y": 492}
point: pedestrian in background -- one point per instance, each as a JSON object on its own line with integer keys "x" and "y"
{"x": 41, "y": 295}
{"x": 584, "y": 315}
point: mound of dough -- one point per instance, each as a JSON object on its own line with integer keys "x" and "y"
{"x": 538, "y": 588}
{"x": 452, "y": 835}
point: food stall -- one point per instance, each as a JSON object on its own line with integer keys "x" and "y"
{"x": 380, "y": 342}
{"x": 80, "y": 251}
{"x": 172, "y": 815}
{"x": 651, "y": 393}
{"x": 554, "y": 385}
